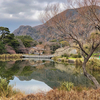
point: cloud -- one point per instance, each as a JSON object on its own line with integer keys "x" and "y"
{"x": 50, "y": 1}
{"x": 22, "y": 10}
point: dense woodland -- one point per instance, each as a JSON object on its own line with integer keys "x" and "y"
{"x": 9, "y": 39}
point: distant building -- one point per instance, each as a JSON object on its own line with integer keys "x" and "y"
{"x": 39, "y": 49}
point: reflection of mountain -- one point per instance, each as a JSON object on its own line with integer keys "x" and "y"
{"x": 50, "y": 73}
{"x": 52, "y": 77}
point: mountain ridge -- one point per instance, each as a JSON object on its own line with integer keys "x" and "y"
{"x": 36, "y": 31}
{"x": 39, "y": 32}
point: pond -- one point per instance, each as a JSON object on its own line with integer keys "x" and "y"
{"x": 34, "y": 75}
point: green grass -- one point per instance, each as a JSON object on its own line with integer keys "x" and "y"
{"x": 75, "y": 58}
{"x": 72, "y": 58}
{"x": 96, "y": 53}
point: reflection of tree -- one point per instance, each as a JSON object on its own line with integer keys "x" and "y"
{"x": 96, "y": 74}
{"x": 77, "y": 70}
{"x": 26, "y": 71}
{"x": 16, "y": 69}
{"x": 7, "y": 73}
{"x": 52, "y": 75}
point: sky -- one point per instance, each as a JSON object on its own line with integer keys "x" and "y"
{"x": 31, "y": 86}
{"x": 14, "y": 13}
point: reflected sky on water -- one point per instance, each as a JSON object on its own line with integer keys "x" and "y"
{"x": 32, "y": 86}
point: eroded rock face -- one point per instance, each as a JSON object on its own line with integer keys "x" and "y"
{"x": 10, "y": 50}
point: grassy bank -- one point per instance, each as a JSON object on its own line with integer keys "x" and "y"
{"x": 10, "y": 57}
{"x": 67, "y": 59}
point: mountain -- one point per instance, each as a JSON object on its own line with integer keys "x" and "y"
{"x": 28, "y": 30}
{"x": 39, "y": 32}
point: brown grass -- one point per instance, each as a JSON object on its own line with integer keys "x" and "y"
{"x": 60, "y": 95}
{"x": 10, "y": 57}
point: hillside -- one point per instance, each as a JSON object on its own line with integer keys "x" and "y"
{"x": 28, "y": 30}
{"x": 39, "y": 32}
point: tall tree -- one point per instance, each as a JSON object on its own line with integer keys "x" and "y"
{"x": 4, "y": 31}
{"x": 2, "y": 48}
{"x": 77, "y": 25}
{"x": 11, "y": 41}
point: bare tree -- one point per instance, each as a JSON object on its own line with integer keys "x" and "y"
{"x": 80, "y": 25}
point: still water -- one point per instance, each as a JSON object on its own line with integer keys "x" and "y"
{"x": 32, "y": 76}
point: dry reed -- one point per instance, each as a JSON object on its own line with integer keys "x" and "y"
{"x": 61, "y": 95}
{"x": 10, "y": 57}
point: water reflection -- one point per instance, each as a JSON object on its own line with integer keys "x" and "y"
{"x": 28, "y": 71}
{"x": 32, "y": 86}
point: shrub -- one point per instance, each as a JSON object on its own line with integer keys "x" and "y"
{"x": 65, "y": 55}
{"x": 66, "y": 86}
{"x": 40, "y": 42}
{"x": 94, "y": 64}
{"x": 55, "y": 58}
{"x": 6, "y": 89}
{"x": 44, "y": 52}
{"x": 78, "y": 61}
{"x": 52, "y": 52}
{"x": 79, "y": 55}
{"x": 76, "y": 55}
{"x": 62, "y": 60}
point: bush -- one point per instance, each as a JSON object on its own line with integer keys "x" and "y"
{"x": 94, "y": 64}
{"x": 76, "y": 55}
{"x": 44, "y": 52}
{"x": 6, "y": 89}
{"x": 65, "y": 55}
{"x": 55, "y": 58}
{"x": 40, "y": 42}
{"x": 78, "y": 61}
{"x": 66, "y": 86}
{"x": 62, "y": 60}
{"x": 52, "y": 52}
{"x": 53, "y": 47}
{"x": 79, "y": 55}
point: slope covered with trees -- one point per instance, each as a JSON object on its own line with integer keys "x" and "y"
{"x": 11, "y": 44}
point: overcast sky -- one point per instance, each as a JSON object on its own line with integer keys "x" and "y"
{"x": 14, "y": 13}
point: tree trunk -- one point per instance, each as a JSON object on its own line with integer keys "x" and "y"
{"x": 89, "y": 76}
